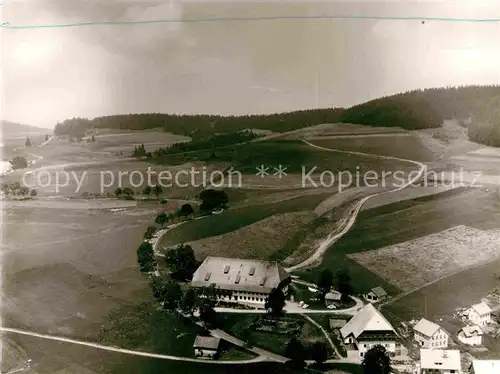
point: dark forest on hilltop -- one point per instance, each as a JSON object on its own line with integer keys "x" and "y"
{"x": 412, "y": 110}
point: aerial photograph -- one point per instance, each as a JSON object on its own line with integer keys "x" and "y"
{"x": 221, "y": 187}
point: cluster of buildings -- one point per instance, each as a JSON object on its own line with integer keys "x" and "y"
{"x": 369, "y": 328}
{"x": 433, "y": 340}
{"x": 249, "y": 282}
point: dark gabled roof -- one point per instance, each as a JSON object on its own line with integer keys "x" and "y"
{"x": 239, "y": 274}
{"x": 379, "y": 291}
{"x": 206, "y": 342}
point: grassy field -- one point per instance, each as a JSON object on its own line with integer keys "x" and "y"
{"x": 446, "y": 295}
{"x": 73, "y": 268}
{"x": 409, "y": 147}
{"x": 407, "y": 264}
{"x": 402, "y": 221}
{"x": 234, "y": 219}
{"x": 293, "y": 154}
{"x": 58, "y": 357}
{"x": 235, "y": 324}
{"x": 258, "y": 240}
{"x": 143, "y": 327}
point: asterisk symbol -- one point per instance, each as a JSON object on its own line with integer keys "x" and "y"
{"x": 280, "y": 171}
{"x": 262, "y": 171}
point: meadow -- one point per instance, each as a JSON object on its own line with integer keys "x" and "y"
{"x": 273, "y": 341}
{"x": 293, "y": 154}
{"x": 405, "y": 220}
{"x": 234, "y": 219}
{"x": 407, "y": 146}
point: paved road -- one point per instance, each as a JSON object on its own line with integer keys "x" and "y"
{"x": 349, "y": 221}
{"x": 126, "y": 351}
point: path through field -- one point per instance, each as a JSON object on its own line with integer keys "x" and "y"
{"x": 349, "y": 221}
{"x": 126, "y": 351}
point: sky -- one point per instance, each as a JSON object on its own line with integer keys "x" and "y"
{"x": 234, "y": 67}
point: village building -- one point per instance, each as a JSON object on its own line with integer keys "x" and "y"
{"x": 376, "y": 294}
{"x": 484, "y": 367}
{"x": 241, "y": 281}
{"x": 440, "y": 361}
{"x": 367, "y": 329}
{"x": 333, "y": 298}
{"x": 206, "y": 346}
{"x": 336, "y": 323}
{"x": 430, "y": 335}
{"x": 479, "y": 314}
{"x": 471, "y": 335}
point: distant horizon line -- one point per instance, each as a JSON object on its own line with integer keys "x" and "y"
{"x": 458, "y": 86}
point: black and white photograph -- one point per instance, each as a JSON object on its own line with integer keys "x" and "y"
{"x": 249, "y": 186}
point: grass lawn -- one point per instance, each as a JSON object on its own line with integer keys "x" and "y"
{"x": 236, "y": 324}
{"x": 324, "y": 321}
{"x": 293, "y": 154}
{"x": 339, "y": 368}
{"x": 230, "y": 352}
{"x": 402, "y": 221}
{"x": 443, "y": 297}
{"x": 143, "y": 327}
{"x": 409, "y": 147}
{"x": 234, "y": 219}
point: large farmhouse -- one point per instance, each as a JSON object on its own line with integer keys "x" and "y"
{"x": 367, "y": 329}
{"x": 241, "y": 281}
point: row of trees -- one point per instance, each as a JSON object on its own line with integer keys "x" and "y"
{"x": 171, "y": 297}
{"x": 18, "y": 190}
{"x": 185, "y": 211}
{"x": 414, "y": 109}
{"x": 211, "y": 142}
{"x": 484, "y": 126}
{"x": 129, "y": 193}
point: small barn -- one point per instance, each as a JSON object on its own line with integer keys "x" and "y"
{"x": 206, "y": 347}
{"x": 333, "y": 298}
{"x": 376, "y": 294}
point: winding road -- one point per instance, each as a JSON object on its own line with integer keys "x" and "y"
{"x": 126, "y": 351}
{"x": 349, "y": 221}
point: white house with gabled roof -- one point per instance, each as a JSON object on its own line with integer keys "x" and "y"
{"x": 484, "y": 367}
{"x": 440, "y": 361}
{"x": 367, "y": 329}
{"x": 430, "y": 335}
{"x": 479, "y": 314}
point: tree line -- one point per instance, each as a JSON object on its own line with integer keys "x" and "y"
{"x": 415, "y": 109}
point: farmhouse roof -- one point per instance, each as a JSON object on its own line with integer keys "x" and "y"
{"x": 481, "y": 308}
{"x": 333, "y": 296}
{"x": 426, "y": 327}
{"x": 444, "y": 359}
{"x": 486, "y": 366}
{"x": 471, "y": 330}
{"x": 379, "y": 291}
{"x": 239, "y": 274}
{"x": 206, "y": 342}
{"x": 367, "y": 319}
{"x": 337, "y": 323}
